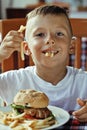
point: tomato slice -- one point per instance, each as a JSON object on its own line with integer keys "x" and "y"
{"x": 27, "y": 116}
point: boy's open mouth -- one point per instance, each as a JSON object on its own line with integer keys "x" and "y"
{"x": 50, "y": 53}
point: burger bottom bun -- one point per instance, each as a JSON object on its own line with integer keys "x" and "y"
{"x": 31, "y": 98}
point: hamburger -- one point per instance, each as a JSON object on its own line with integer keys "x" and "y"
{"x": 33, "y": 103}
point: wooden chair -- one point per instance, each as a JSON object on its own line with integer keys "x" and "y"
{"x": 79, "y": 30}
{"x": 14, "y": 62}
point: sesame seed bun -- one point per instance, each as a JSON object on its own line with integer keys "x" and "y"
{"x": 31, "y": 98}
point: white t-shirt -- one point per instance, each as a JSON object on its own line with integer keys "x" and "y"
{"x": 63, "y": 94}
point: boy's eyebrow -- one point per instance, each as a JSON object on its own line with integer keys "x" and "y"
{"x": 42, "y": 28}
{"x": 38, "y": 29}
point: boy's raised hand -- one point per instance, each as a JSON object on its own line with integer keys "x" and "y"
{"x": 11, "y": 43}
{"x": 81, "y": 114}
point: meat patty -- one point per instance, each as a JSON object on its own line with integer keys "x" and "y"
{"x": 39, "y": 113}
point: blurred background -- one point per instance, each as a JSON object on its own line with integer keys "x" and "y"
{"x": 77, "y": 8}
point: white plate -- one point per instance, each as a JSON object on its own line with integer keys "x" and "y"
{"x": 61, "y": 116}
{"x": 3, "y": 127}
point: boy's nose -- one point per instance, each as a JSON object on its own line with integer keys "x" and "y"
{"x": 50, "y": 41}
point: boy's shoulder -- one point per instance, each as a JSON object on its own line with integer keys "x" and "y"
{"x": 29, "y": 69}
{"x": 76, "y": 71}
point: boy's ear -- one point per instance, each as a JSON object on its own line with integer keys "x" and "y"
{"x": 26, "y": 48}
{"x": 72, "y": 47}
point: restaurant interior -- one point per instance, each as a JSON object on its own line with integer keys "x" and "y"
{"x": 13, "y": 9}
{"x": 12, "y": 16}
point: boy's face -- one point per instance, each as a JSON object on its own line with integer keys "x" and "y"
{"x": 49, "y": 39}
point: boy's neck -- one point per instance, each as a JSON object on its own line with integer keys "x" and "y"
{"x": 52, "y": 76}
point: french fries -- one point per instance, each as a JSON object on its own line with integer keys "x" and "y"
{"x": 20, "y": 123}
{"x": 21, "y": 29}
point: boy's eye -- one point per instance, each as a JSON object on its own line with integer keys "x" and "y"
{"x": 40, "y": 35}
{"x": 59, "y": 34}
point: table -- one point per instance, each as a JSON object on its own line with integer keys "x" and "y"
{"x": 73, "y": 124}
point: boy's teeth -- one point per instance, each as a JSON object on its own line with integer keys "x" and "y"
{"x": 47, "y": 54}
{"x": 50, "y": 54}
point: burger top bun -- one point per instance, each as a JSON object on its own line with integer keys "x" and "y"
{"x": 31, "y": 98}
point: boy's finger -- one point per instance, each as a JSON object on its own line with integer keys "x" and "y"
{"x": 80, "y": 111}
{"x": 82, "y": 118}
{"x": 80, "y": 102}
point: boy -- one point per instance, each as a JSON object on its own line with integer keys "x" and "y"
{"x": 49, "y": 39}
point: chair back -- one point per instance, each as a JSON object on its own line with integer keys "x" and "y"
{"x": 79, "y": 27}
{"x": 14, "y": 61}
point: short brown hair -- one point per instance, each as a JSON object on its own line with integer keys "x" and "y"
{"x": 50, "y": 9}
